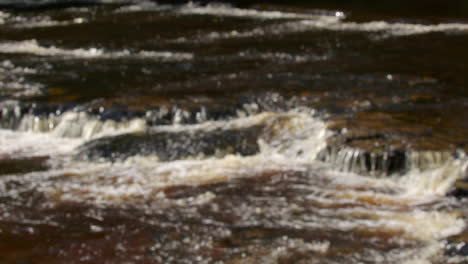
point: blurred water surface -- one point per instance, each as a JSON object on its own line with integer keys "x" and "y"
{"x": 233, "y": 132}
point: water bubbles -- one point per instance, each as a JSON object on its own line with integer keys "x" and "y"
{"x": 96, "y": 228}
{"x": 79, "y": 20}
{"x": 3, "y": 17}
{"x": 339, "y": 14}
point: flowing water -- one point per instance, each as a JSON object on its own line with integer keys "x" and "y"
{"x": 241, "y": 132}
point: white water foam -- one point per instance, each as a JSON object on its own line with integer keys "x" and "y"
{"x": 14, "y": 83}
{"x": 436, "y": 181}
{"x": 391, "y": 29}
{"x": 38, "y": 3}
{"x": 290, "y": 143}
{"x": 3, "y": 17}
{"x": 241, "y": 122}
{"x": 79, "y": 125}
{"x": 298, "y": 129}
{"x": 18, "y": 21}
{"x": 141, "y": 179}
{"x": 219, "y": 9}
{"x": 268, "y": 30}
{"x": 39, "y": 22}
{"x": 82, "y": 125}
{"x": 20, "y": 88}
{"x": 224, "y": 10}
{"x": 34, "y": 48}
{"x": 289, "y": 140}
{"x": 144, "y": 6}
{"x": 308, "y": 22}
{"x": 7, "y": 67}
{"x": 379, "y": 29}
{"x": 14, "y": 144}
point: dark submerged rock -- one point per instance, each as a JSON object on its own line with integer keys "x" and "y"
{"x": 174, "y": 145}
{"x": 460, "y": 188}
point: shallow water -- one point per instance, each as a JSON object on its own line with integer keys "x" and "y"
{"x": 242, "y": 132}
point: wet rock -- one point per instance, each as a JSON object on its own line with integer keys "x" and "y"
{"x": 460, "y": 188}
{"x": 25, "y": 165}
{"x": 461, "y": 250}
{"x": 457, "y": 245}
{"x": 174, "y": 145}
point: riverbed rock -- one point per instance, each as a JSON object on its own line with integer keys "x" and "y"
{"x": 169, "y": 146}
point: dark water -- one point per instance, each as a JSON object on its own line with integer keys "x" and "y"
{"x": 240, "y": 132}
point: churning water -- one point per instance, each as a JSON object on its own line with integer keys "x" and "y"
{"x": 159, "y": 132}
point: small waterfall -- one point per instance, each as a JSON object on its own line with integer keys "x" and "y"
{"x": 88, "y": 120}
{"x": 349, "y": 159}
{"x": 383, "y": 162}
{"x": 73, "y": 124}
{"x": 82, "y": 125}
{"x": 424, "y": 160}
{"x": 82, "y": 122}
{"x": 40, "y": 124}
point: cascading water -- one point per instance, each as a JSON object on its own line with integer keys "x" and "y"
{"x": 134, "y": 143}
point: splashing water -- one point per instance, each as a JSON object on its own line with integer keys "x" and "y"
{"x": 204, "y": 133}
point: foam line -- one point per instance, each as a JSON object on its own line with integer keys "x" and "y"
{"x": 34, "y": 48}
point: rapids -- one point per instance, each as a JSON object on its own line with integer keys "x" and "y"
{"x": 159, "y": 132}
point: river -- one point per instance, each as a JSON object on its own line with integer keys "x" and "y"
{"x": 233, "y": 132}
